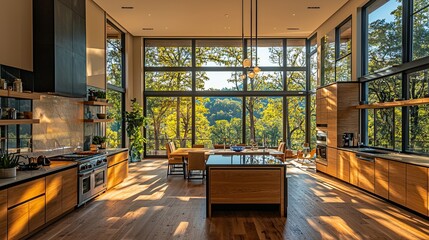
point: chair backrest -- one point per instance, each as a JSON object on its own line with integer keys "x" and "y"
{"x": 198, "y": 146}
{"x": 168, "y": 147}
{"x": 312, "y": 154}
{"x": 172, "y": 146}
{"x": 281, "y": 147}
{"x": 196, "y": 161}
{"x": 219, "y": 146}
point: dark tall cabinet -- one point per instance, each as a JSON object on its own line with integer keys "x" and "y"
{"x": 59, "y": 33}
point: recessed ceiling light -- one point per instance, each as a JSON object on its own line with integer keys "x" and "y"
{"x": 293, "y": 29}
{"x": 149, "y": 14}
{"x": 127, "y": 7}
{"x": 293, "y": 14}
{"x": 314, "y": 7}
{"x": 147, "y": 29}
{"x": 226, "y": 15}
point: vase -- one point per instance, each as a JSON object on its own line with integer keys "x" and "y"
{"x": 8, "y": 172}
{"x": 135, "y": 155}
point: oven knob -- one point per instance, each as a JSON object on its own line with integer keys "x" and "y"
{"x": 82, "y": 167}
{"x": 104, "y": 159}
{"x": 99, "y": 162}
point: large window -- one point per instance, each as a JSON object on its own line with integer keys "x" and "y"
{"x": 420, "y": 20}
{"x": 115, "y": 85}
{"x": 313, "y": 68}
{"x": 202, "y": 98}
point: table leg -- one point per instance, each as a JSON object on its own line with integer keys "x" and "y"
{"x": 184, "y": 168}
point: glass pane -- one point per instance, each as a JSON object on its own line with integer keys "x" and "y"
{"x": 328, "y": 58}
{"x": 219, "y": 81}
{"x": 313, "y": 71}
{"x": 264, "y": 119}
{"x": 419, "y": 84}
{"x": 345, "y": 44}
{"x": 295, "y": 122}
{"x": 168, "y": 53}
{"x": 168, "y": 81}
{"x": 313, "y": 130}
{"x": 421, "y": 34}
{"x": 419, "y": 4}
{"x": 344, "y": 69}
{"x": 169, "y": 119}
{"x": 296, "y": 80}
{"x": 384, "y": 128}
{"x": 114, "y": 129}
{"x": 114, "y": 63}
{"x": 296, "y": 52}
{"x": 218, "y": 119}
{"x": 266, "y": 81}
{"x": 419, "y": 129}
{"x": 385, "y": 89}
{"x": 270, "y": 52}
{"x": 313, "y": 44}
{"x": 384, "y": 34}
{"x": 226, "y": 53}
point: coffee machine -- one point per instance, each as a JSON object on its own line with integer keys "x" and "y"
{"x": 347, "y": 139}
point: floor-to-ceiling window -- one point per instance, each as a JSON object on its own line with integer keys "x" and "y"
{"x": 395, "y": 67}
{"x": 115, "y": 45}
{"x": 313, "y": 78}
{"x": 195, "y": 93}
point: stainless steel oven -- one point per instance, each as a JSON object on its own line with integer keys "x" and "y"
{"x": 92, "y": 182}
{"x": 321, "y": 151}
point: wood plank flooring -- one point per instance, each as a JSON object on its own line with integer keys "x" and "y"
{"x": 148, "y": 205}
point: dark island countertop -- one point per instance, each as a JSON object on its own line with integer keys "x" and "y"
{"x": 25, "y": 176}
{"x": 399, "y": 157}
{"x": 243, "y": 160}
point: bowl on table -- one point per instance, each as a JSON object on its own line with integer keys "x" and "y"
{"x": 237, "y": 148}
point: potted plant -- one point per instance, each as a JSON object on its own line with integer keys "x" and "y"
{"x": 91, "y": 95}
{"x": 135, "y": 121}
{"x": 8, "y": 164}
{"x": 100, "y": 95}
{"x": 100, "y": 141}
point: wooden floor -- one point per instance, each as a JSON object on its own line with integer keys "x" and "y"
{"x": 150, "y": 206}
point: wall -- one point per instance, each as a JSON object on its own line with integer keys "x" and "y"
{"x": 95, "y": 45}
{"x": 351, "y": 8}
{"x": 61, "y": 126}
{"x": 16, "y": 41}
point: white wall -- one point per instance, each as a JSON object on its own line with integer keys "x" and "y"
{"x": 16, "y": 27}
{"x": 353, "y": 9}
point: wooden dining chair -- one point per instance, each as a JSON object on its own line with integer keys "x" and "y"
{"x": 309, "y": 157}
{"x": 281, "y": 148}
{"x": 175, "y": 164}
{"x": 198, "y": 146}
{"x": 219, "y": 146}
{"x": 196, "y": 162}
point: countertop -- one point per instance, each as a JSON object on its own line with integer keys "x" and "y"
{"x": 112, "y": 151}
{"x": 24, "y": 176}
{"x": 400, "y": 157}
{"x": 243, "y": 160}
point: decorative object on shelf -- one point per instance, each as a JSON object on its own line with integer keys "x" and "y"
{"x": 28, "y": 115}
{"x": 251, "y": 70}
{"x": 100, "y": 95}
{"x": 101, "y": 115}
{"x": 91, "y": 95}
{"x": 100, "y": 141}
{"x": 8, "y": 164}
{"x": 17, "y": 85}
{"x": 135, "y": 121}
{"x": 88, "y": 114}
{"x": 237, "y": 148}
{"x": 3, "y": 84}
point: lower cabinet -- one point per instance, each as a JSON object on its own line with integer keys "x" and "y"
{"x": 26, "y": 217}
{"x": 321, "y": 167}
{"x": 61, "y": 193}
{"x": 331, "y": 169}
{"x": 397, "y": 178}
{"x": 343, "y": 165}
{"x": 381, "y": 177}
{"x": 3, "y": 214}
{"x": 417, "y": 188}
{"x": 366, "y": 175}
{"x": 354, "y": 169}
{"x": 117, "y": 169}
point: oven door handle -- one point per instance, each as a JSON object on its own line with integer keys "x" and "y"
{"x": 99, "y": 167}
{"x": 84, "y": 174}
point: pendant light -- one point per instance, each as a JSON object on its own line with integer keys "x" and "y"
{"x": 248, "y": 62}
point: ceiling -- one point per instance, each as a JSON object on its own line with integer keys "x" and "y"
{"x": 219, "y": 18}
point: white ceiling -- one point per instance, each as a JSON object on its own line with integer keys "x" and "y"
{"x": 218, "y": 18}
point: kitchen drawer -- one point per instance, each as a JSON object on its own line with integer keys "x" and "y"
{"x": 24, "y": 192}
{"x": 117, "y": 158}
{"x": 3, "y": 214}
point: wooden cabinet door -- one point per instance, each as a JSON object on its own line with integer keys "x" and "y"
{"x": 381, "y": 177}
{"x": 343, "y": 165}
{"x": 417, "y": 188}
{"x": 332, "y": 161}
{"x": 111, "y": 176}
{"x": 3, "y": 214}
{"x": 53, "y": 196}
{"x": 122, "y": 171}
{"x": 17, "y": 221}
{"x": 117, "y": 158}
{"x": 69, "y": 189}
{"x": 397, "y": 175}
{"x": 354, "y": 169}
{"x": 366, "y": 175}
{"x": 25, "y": 191}
{"x": 36, "y": 213}
{"x": 321, "y": 167}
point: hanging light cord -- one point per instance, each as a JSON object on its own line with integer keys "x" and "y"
{"x": 256, "y": 30}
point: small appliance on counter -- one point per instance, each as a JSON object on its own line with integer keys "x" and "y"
{"x": 347, "y": 139}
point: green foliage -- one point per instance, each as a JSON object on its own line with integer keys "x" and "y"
{"x": 8, "y": 160}
{"x": 98, "y": 140}
{"x": 135, "y": 121}
{"x": 100, "y": 94}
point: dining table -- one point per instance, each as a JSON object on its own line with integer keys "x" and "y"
{"x": 184, "y": 152}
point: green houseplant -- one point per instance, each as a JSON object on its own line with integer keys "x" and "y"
{"x": 99, "y": 140}
{"x": 100, "y": 95}
{"x": 8, "y": 164}
{"x": 135, "y": 121}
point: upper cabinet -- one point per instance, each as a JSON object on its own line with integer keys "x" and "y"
{"x": 60, "y": 47}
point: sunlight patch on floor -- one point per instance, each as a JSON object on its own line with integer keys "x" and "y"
{"x": 152, "y": 197}
{"x": 340, "y": 226}
{"x": 332, "y": 200}
{"x": 181, "y": 229}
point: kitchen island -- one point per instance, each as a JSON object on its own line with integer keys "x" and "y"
{"x": 246, "y": 179}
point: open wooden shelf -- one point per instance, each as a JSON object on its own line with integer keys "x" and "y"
{"x": 97, "y": 103}
{"x": 22, "y": 95}
{"x": 97, "y": 120}
{"x": 18, "y": 121}
{"x": 403, "y": 103}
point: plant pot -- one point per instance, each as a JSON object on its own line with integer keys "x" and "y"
{"x": 8, "y": 172}
{"x": 92, "y": 98}
{"x": 135, "y": 156}
{"x": 102, "y": 100}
